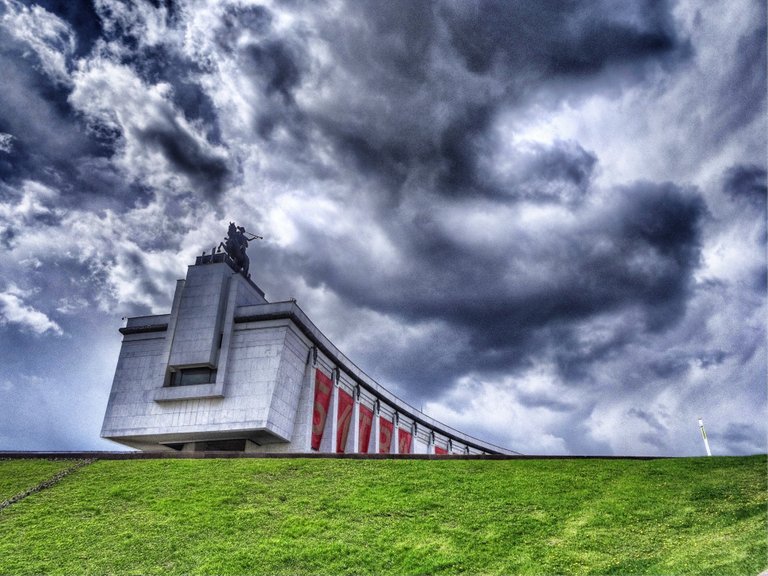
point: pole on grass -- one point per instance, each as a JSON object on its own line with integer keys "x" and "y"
{"x": 704, "y": 435}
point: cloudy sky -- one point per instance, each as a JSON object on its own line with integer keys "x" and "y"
{"x": 541, "y": 222}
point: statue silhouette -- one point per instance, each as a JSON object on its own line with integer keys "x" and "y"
{"x": 235, "y": 245}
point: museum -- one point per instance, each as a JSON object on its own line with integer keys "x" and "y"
{"x": 228, "y": 370}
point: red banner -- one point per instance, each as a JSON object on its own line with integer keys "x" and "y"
{"x": 366, "y": 422}
{"x": 386, "y": 430}
{"x": 439, "y": 450}
{"x": 344, "y": 419}
{"x": 404, "y": 440}
{"x": 323, "y": 388}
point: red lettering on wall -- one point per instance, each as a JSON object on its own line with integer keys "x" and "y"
{"x": 323, "y": 388}
{"x": 386, "y": 428}
{"x": 344, "y": 419}
{"x": 366, "y": 422}
{"x": 439, "y": 450}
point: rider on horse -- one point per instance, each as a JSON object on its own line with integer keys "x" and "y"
{"x": 235, "y": 245}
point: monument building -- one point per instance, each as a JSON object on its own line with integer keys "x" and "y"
{"x": 228, "y": 370}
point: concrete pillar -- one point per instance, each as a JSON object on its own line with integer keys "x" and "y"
{"x": 334, "y": 409}
{"x": 226, "y": 335}
{"x": 356, "y": 423}
{"x": 171, "y": 330}
{"x": 395, "y": 435}
{"x": 306, "y": 440}
{"x": 376, "y": 429}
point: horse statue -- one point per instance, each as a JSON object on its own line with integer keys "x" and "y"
{"x": 235, "y": 245}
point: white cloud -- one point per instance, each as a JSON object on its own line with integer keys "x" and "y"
{"x": 13, "y": 310}
{"x": 142, "y": 20}
{"x": 492, "y": 410}
{"x": 662, "y": 129}
{"x": 6, "y": 142}
{"x": 112, "y": 95}
{"x": 30, "y": 201}
{"x": 50, "y": 38}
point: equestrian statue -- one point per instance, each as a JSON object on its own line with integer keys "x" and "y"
{"x": 235, "y": 245}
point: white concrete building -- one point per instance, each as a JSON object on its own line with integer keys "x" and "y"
{"x": 227, "y": 370}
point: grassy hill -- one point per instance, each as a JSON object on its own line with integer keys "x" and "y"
{"x": 292, "y": 516}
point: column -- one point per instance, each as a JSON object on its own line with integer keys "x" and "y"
{"x": 356, "y": 423}
{"x": 334, "y": 412}
{"x": 376, "y": 427}
{"x": 395, "y": 435}
{"x": 306, "y": 440}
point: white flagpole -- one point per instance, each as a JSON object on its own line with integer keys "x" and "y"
{"x": 704, "y": 435}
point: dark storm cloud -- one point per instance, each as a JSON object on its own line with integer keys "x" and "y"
{"x": 574, "y": 359}
{"x": 747, "y": 187}
{"x": 637, "y": 255}
{"x": 654, "y": 437}
{"x": 35, "y": 111}
{"x": 666, "y": 221}
{"x": 387, "y": 162}
{"x": 462, "y": 144}
{"x": 544, "y": 400}
{"x": 743, "y": 94}
{"x": 747, "y": 183}
{"x": 711, "y": 358}
{"x": 156, "y": 64}
{"x": 237, "y": 19}
{"x": 206, "y": 171}
{"x": 7, "y": 234}
{"x": 650, "y": 246}
{"x": 381, "y": 127}
{"x": 559, "y": 38}
{"x": 389, "y": 128}
{"x": 560, "y": 173}
{"x": 671, "y": 366}
{"x": 276, "y": 65}
{"x": 738, "y": 438}
{"x": 403, "y": 34}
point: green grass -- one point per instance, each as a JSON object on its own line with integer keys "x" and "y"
{"x": 16, "y": 476}
{"x": 288, "y": 516}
